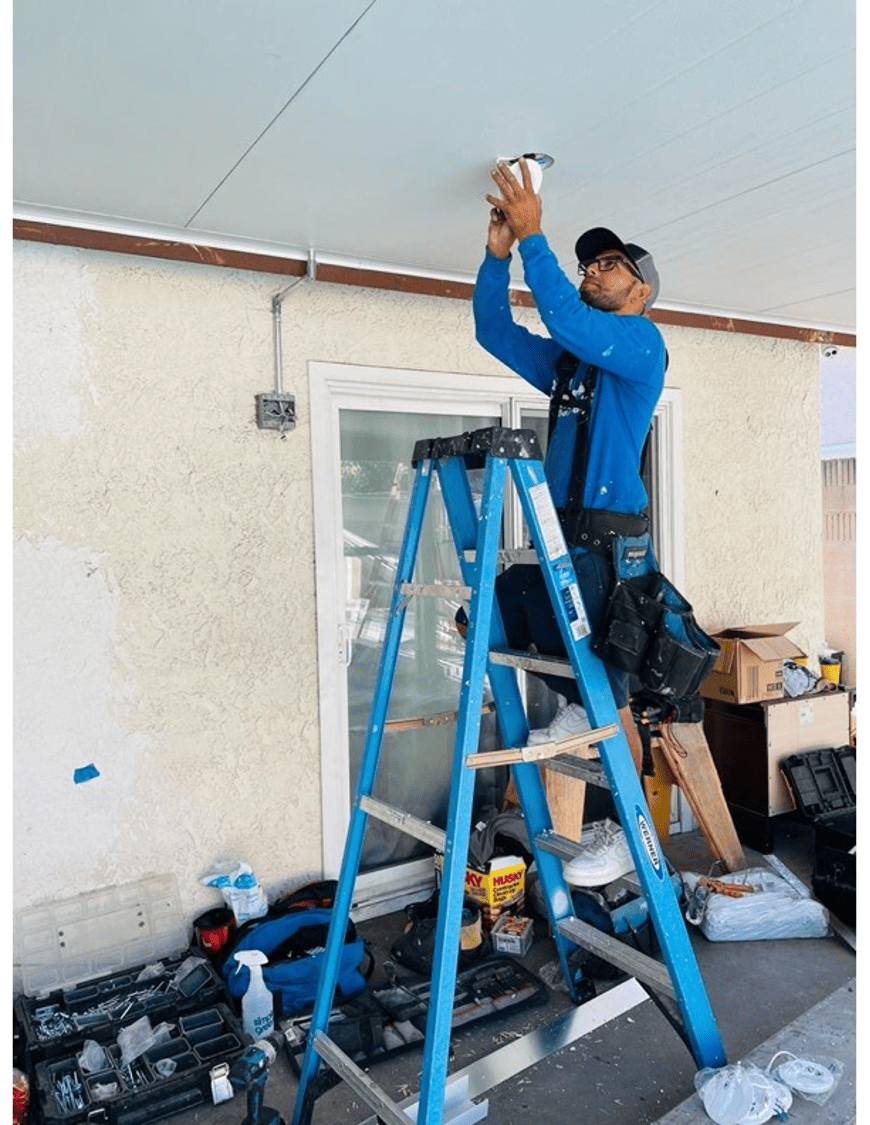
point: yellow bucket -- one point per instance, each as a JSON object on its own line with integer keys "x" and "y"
{"x": 800, "y": 660}
{"x": 830, "y": 670}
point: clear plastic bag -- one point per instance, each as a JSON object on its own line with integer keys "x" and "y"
{"x": 240, "y": 889}
{"x": 135, "y": 1039}
{"x": 773, "y": 909}
{"x": 814, "y": 1079}
{"x": 741, "y": 1094}
{"x": 92, "y": 1057}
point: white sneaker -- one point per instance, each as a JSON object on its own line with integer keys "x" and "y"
{"x": 568, "y": 720}
{"x": 603, "y": 856}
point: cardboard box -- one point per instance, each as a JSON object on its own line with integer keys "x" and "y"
{"x": 512, "y": 934}
{"x": 749, "y": 666}
{"x": 500, "y": 888}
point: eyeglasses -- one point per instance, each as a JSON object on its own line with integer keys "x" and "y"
{"x": 607, "y": 263}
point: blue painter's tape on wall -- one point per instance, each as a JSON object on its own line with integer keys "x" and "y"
{"x": 85, "y": 773}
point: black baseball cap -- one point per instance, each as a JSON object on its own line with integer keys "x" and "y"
{"x": 595, "y": 241}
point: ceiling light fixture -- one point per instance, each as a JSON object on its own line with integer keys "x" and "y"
{"x": 536, "y": 161}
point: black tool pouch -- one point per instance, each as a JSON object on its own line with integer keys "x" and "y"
{"x": 649, "y": 629}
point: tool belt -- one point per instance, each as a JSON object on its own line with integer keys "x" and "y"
{"x": 596, "y": 529}
{"x": 649, "y": 629}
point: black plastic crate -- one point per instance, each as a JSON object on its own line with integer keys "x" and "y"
{"x": 56, "y": 1025}
{"x": 823, "y": 784}
{"x": 167, "y": 1079}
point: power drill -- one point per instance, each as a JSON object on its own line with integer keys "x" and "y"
{"x": 249, "y": 1073}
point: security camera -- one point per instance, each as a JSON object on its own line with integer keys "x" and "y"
{"x": 829, "y": 352}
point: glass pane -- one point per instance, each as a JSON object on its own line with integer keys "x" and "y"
{"x": 376, "y": 478}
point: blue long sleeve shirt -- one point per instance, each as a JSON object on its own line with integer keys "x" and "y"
{"x": 628, "y": 351}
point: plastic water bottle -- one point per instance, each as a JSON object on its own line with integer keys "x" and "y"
{"x": 258, "y": 1009}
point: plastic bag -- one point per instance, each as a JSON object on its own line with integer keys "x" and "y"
{"x": 741, "y": 1094}
{"x": 242, "y": 893}
{"x": 774, "y": 909}
{"x": 814, "y": 1080}
{"x": 135, "y": 1039}
{"x": 93, "y": 1057}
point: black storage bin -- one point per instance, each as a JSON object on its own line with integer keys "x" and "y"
{"x": 53, "y": 1029}
{"x": 822, "y": 783}
{"x": 142, "y": 1092}
{"x": 55, "y": 1025}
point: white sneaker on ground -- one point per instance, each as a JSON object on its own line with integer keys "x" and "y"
{"x": 603, "y": 856}
{"x": 568, "y": 720}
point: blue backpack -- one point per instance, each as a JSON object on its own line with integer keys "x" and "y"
{"x": 294, "y": 943}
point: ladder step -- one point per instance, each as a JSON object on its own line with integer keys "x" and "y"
{"x": 437, "y": 589}
{"x": 646, "y": 969}
{"x": 558, "y": 845}
{"x": 405, "y": 822}
{"x": 530, "y": 662}
{"x": 546, "y": 750}
{"x": 432, "y": 720}
{"x": 374, "y": 1097}
{"x": 589, "y": 770}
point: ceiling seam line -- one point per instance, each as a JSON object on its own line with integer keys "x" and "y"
{"x": 754, "y": 188}
{"x": 280, "y": 112}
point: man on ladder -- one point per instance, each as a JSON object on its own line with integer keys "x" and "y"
{"x": 603, "y": 368}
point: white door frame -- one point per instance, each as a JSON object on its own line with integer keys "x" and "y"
{"x": 337, "y": 386}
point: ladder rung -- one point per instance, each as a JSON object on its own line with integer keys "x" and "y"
{"x": 589, "y": 770}
{"x": 529, "y": 662}
{"x": 558, "y": 845}
{"x": 545, "y": 750}
{"x": 437, "y": 589}
{"x": 432, "y": 720}
{"x": 646, "y": 969}
{"x": 507, "y": 556}
{"x": 405, "y": 822}
{"x": 365, "y": 1088}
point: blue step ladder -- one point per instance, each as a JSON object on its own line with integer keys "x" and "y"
{"x": 675, "y": 985}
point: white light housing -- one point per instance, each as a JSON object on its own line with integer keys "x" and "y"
{"x": 536, "y": 161}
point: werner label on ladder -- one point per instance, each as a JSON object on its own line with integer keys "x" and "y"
{"x": 504, "y": 453}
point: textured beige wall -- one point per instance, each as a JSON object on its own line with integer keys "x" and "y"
{"x": 753, "y": 520}
{"x": 164, "y": 610}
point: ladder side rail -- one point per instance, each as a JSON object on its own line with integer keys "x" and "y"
{"x": 439, "y": 1019}
{"x": 463, "y": 520}
{"x": 631, "y": 806}
{"x": 365, "y": 784}
{"x": 512, "y": 720}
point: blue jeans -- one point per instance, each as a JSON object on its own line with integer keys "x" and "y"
{"x": 528, "y": 616}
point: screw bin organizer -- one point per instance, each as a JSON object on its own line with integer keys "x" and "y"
{"x": 66, "y": 1000}
{"x": 476, "y": 537}
{"x": 139, "y": 1093}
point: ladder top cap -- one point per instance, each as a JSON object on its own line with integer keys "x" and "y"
{"x": 475, "y": 445}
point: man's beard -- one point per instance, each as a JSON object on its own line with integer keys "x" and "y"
{"x": 599, "y": 299}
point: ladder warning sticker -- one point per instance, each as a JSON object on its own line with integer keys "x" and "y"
{"x": 649, "y": 841}
{"x": 551, "y": 529}
{"x": 576, "y": 611}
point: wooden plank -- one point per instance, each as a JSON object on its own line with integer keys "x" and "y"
{"x": 514, "y": 754}
{"x": 686, "y": 751}
{"x": 657, "y": 790}
{"x": 431, "y": 720}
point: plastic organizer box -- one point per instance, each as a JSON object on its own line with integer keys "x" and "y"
{"x": 146, "y": 1090}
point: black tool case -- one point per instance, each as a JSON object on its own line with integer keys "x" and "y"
{"x": 142, "y": 1091}
{"x": 93, "y": 965}
{"x": 55, "y": 1024}
{"x": 823, "y": 785}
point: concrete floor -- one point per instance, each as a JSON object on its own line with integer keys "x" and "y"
{"x": 633, "y": 1069}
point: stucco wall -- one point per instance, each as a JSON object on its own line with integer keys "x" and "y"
{"x": 164, "y": 582}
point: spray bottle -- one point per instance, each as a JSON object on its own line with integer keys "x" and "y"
{"x": 258, "y": 1017}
